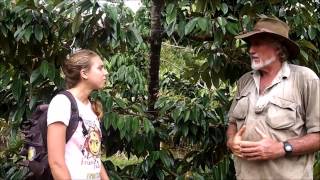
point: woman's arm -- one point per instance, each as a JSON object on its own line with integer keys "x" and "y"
{"x": 103, "y": 173}
{"x": 56, "y": 140}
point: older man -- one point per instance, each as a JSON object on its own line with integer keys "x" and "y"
{"x": 274, "y": 120}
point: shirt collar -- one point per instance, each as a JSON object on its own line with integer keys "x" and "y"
{"x": 283, "y": 73}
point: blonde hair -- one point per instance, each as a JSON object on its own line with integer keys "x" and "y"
{"x": 71, "y": 68}
{"x": 74, "y": 64}
{"x": 97, "y": 108}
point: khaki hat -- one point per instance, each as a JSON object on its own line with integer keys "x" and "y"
{"x": 276, "y": 28}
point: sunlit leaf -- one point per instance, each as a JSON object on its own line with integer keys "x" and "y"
{"x": 224, "y": 8}
{"x": 190, "y": 26}
{"x": 171, "y": 13}
{"x": 76, "y": 24}
{"x": 312, "y": 32}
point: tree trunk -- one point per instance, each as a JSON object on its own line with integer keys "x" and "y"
{"x": 155, "y": 45}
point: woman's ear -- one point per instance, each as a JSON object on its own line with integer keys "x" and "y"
{"x": 83, "y": 74}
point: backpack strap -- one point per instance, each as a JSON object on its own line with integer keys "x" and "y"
{"x": 74, "y": 118}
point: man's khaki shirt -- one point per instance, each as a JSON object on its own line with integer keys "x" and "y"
{"x": 289, "y": 108}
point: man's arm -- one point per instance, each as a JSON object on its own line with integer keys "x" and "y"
{"x": 268, "y": 148}
{"x": 234, "y": 138}
{"x": 307, "y": 144}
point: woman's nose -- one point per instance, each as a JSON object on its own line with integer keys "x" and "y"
{"x": 105, "y": 72}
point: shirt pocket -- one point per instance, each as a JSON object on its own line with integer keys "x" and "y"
{"x": 240, "y": 110}
{"x": 281, "y": 113}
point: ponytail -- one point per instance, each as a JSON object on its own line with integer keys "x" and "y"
{"x": 97, "y": 108}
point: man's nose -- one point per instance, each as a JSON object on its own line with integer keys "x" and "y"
{"x": 252, "y": 50}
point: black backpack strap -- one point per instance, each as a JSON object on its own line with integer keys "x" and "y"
{"x": 74, "y": 118}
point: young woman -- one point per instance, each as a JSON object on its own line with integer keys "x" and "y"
{"x": 79, "y": 158}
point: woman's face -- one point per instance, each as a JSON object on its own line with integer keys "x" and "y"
{"x": 96, "y": 75}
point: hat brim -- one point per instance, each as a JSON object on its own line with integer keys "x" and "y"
{"x": 293, "y": 48}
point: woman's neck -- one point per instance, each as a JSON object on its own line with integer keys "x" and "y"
{"x": 81, "y": 93}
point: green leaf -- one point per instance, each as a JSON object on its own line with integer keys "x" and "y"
{"x": 171, "y": 13}
{"x": 154, "y": 156}
{"x": 167, "y": 161}
{"x": 113, "y": 13}
{"x": 224, "y": 8}
{"x": 122, "y": 134}
{"x": 160, "y": 174}
{"x": 304, "y": 55}
{"x": 195, "y": 114}
{"x": 170, "y": 28}
{"x": 120, "y": 123}
{"x": 44, "y": 68}
{"x": 17, "y": 117}
{"x": 18, "y": 32}
{"x": 312, "y": 32}
{"x": 114, "y": 122}
{"x": 222, "y": 21}
{"x": 137, "y": 35}
{"x": 145, "y": 166}
{"x": 33, "y": 102}
{"x": 35, "y": 75}
{"x": 146, "y": 125}
{"x": 28, "y": 33}
{"x": 108, "y": 103}
{"x": 4, "y": 31}
{"x": 176, "y": 113}
{"x": 5, "y": 80}
{"x": 232, "y": 28}
{"x": 218, "y": 37}
{"x": 181, "y": 27}
{"x": 17, "y": 88}
{"x": 308, "y": 44}
{"x": 38, "y": 32}
{"x": 203, "y": 23}
{"x": 134, "y": 125}
{"x": 137, "y": 108}
{"x": 51, "y": 71}
{"x": 76, "y": 24}
{"x": 194, "y": 130}
{"x": 190, "y": 26}
{"x": 185, "y": 130}
{"x": 120, "y": 102}
{"x": 186, "y": 115}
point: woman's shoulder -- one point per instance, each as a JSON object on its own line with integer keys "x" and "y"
{"x": 60, "y": 99}
{"x": 59, "y": 110}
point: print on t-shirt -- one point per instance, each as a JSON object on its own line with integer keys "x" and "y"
{"x": 91, "y": 147}
{"x": 93, "y": 141}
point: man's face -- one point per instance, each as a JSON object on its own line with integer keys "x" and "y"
{"x": 262, "y": 52}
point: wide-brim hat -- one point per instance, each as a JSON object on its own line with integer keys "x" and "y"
{"x": 275, "y": 28}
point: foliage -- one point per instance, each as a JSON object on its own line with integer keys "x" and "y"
{"x": 200, "y": 61}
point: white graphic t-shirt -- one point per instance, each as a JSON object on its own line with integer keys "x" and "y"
{"x": 82, "y": 152}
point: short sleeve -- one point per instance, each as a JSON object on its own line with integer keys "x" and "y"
{"x": 234, "y": 102}
{"x": 59, "y": 110}
{"x": 312, "y": 105}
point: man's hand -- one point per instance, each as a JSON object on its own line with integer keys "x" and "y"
{"x": 234, "y": 143}
{"x": 265, "y": 149}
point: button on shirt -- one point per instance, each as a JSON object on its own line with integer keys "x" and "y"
{"x": 288, "y": 108}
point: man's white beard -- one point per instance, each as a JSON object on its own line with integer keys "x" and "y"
{"x": 261, "y": 64}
